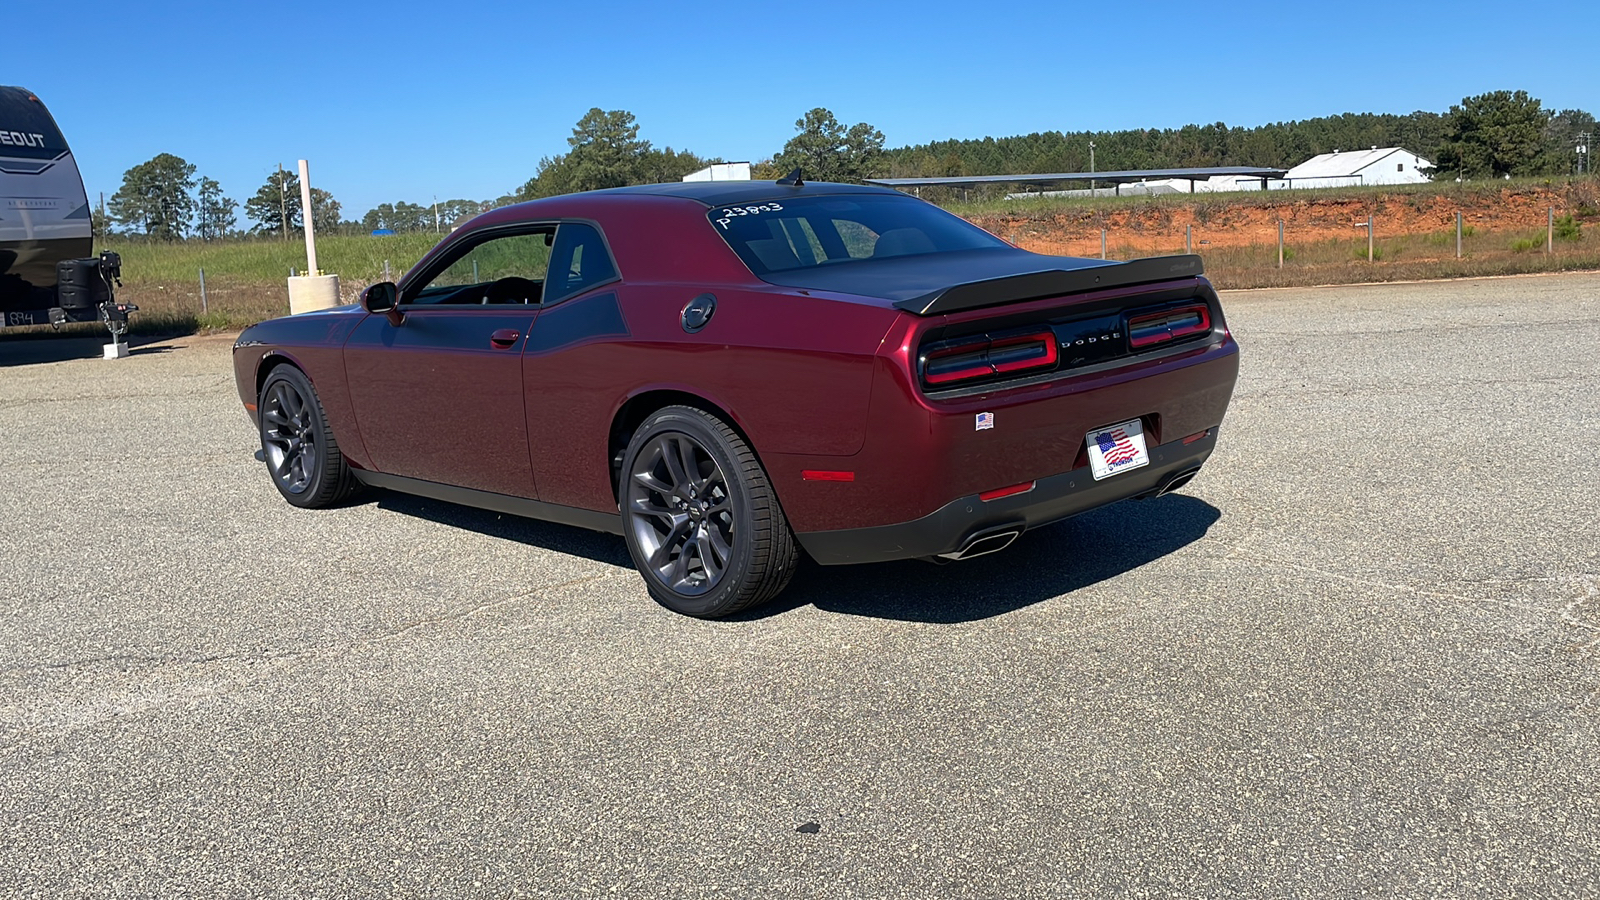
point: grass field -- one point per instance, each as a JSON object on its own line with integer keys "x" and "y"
{"x": 352, "y": 256}
{"x": 1420, "y": 257}
{"x": 1475, "y": 193}
{"x": 1235, "y": 233}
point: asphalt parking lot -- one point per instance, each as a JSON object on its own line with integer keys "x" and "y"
{"x": 1358, "y": 656}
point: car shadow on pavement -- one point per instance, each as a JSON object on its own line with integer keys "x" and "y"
{"x": 1043, "y": 564}
{"x": 602, "y": 548}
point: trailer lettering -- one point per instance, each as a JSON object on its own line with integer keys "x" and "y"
{"x": 19, "y": 139}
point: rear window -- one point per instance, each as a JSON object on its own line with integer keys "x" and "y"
{"x": 805, "y": 232}
{"x": 26, "y": 129}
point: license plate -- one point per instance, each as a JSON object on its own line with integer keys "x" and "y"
{"x": 1117, "y": 448}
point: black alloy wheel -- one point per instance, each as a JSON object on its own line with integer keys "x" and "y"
{"x": 700, "y": 517}
{"x": 300, "y": 451}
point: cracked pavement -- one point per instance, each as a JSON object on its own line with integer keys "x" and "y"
{"x": 1359, "y": 655}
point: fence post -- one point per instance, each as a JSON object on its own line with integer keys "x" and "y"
{"x": 1458, "y": 234}
{"x": 1188, "y": 238}
{"x": 1550, "y": 233}
{"x": 203, "y": 306}
{"x": 1369, "y": 239}
{"x": 386, "y": 271}
{"x": 1280, "y": 243}
{"x": 1102, "y": 243}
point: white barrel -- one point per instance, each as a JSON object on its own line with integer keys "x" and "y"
{"x": 313, "y": 292}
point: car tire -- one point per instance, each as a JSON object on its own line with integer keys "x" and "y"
{"x": 302, "y": 456}
{"x": 701, "y": 519}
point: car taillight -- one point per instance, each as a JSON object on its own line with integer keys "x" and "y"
{"x": 1168, "y": 325}
{"x": 981, "y": 357}
{"x": 1028, "y": 351}
{"x": 957, "y": 362}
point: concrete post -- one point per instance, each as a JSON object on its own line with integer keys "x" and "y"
{"x": 314, "y": 290}
{"x": 305, "y": 218}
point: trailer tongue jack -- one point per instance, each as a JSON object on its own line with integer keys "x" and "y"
{"x": 84, "y": 293}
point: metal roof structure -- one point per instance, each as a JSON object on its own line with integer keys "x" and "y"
{"x": 1344, "y": 163}
{"x": 1126, "y": 176}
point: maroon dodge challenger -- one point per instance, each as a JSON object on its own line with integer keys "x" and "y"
{"x": 728, "y": 373}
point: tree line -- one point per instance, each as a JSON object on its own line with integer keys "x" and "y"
{"x": 161, "y": 199}
{"x": 1492, "y": 135}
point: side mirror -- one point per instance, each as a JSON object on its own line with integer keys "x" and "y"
{"x": 383, "y": 299}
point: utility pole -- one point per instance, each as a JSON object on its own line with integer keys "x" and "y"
{"x": 283, "y": 203}
{"x": 1583, "y": 151}
{"x": 1091, "y": 168}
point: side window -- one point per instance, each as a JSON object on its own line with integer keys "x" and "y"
{"x": 509, "y": 269}
{"x": 578, "y": 262}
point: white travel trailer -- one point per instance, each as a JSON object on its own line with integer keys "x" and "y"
{"x": 45, "y": 229}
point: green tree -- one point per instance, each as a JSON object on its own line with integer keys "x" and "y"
{"x": 276, "y": 203}
{"x": 825, "y": 150}
{"x": 1563, "y": 134}
{"x": 324, "y": 211}
{"x": 606, "y": 152}
{"x": 154, "y": 198}
{"x": 214, "y": 212}
{"x": 400, "y": 216}
{"x": 660, "y": 166}
{"x": 1492, "y": 135}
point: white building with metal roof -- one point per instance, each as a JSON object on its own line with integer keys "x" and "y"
{"x": 1380, "y": 165}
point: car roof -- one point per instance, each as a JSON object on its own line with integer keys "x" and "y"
{"x": 720, "y": 193}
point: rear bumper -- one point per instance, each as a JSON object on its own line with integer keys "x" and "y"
{"x": 1052, "y": 499}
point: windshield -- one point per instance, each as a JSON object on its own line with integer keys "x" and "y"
{"x": 805, "y": 232}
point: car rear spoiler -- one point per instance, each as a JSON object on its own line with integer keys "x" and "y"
{"x": 1051, "y": 283}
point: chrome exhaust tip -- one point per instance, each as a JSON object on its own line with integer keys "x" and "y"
{"x": 985, "y": 542}
{"x": 1178, "y": 481}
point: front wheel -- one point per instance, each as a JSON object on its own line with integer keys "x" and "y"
{"x": 301, "y": 453}
{"x": 700, "y": 517}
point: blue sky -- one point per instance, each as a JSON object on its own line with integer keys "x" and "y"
{"x": 405, "y": 101}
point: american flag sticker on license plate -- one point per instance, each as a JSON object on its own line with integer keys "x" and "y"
{"x": 1117, "y": 449}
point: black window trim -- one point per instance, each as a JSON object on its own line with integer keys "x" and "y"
{"x": 494, "y": 232}
{"x": 605, "y": 242}
{"x": 458, "y": 250}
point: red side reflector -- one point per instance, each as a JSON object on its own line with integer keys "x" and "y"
{"x": 997, "y": 493}
{"x": 250, "y": 406}
{"x": 1195, "y": 437}
{"x": 824, "y": 475}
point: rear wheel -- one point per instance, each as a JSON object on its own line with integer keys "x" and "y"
{"x": 302, "y": 456}
{"x": 700, "y": 517}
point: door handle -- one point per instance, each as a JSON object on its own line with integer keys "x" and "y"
{"x": 504, "y": 338}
